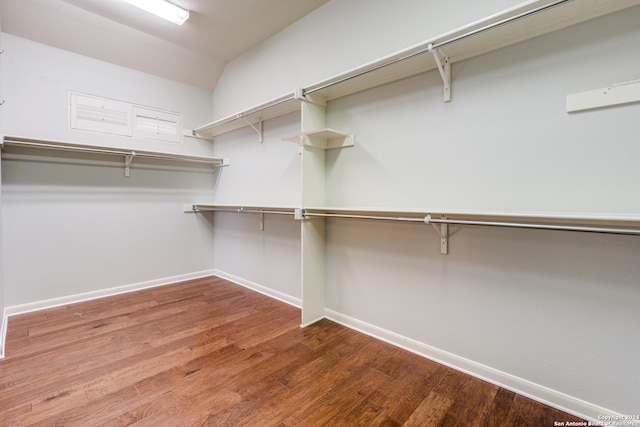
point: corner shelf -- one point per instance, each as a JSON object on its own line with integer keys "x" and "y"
{"x": 326, "y": 139}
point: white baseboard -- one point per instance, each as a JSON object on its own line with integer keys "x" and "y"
{"x": 101, "y": 293}
{"x": 537, "y": 392}
{"x": 280, "y": 296}
{"x": 3, "y": 332}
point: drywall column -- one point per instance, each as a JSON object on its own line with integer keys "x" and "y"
{"x": 3, "y": 326}
{"x": 313, "y": 194}
{"x": 3, "y": 323}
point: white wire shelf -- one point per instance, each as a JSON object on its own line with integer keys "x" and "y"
{"x": 128, "y": 154}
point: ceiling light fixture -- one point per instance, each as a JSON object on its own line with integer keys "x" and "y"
{"x": 163, "y": 9}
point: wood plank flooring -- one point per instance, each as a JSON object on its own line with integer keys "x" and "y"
{"x": 210, "y": 353}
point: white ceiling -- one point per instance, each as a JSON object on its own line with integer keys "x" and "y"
{"x": 216, "y": 32}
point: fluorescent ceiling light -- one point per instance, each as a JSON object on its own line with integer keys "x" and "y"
{"x": 163, "y": 9}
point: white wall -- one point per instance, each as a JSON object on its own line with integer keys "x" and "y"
{"x": 2, "y": 319}
{"x": 72, "y": 223}
{"x": 36, "y": 79}
{"x": 266, "y": 173}
{"x": 267, "y": 260}
{"x": 340, "y": 35}
{"x": 2, "y": 305}
{"x": 505, "y": 142}
{"x": 557, "y": 309}
{"x": 76, "y": 225}
{"x": 261, "y": 174}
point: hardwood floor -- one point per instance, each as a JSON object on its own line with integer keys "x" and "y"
{"x": 208, "y": 352}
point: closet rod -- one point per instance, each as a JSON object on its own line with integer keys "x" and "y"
{"x": 540, "y": 226}
{"x": 374, "y": 217}
{"x": 21, "y": 142}
{"x": 242, "y": 210}
{"x": 437, "y": 45}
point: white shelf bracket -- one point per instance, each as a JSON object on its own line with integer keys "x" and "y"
{"x": 128, "y": 158}
{"x": 257, "y": 128}
{"x": 445, "y": 70}
{"x": 443, "y": 232}
{"x": 261, "y": 221}
{"x": 300, "y": 140}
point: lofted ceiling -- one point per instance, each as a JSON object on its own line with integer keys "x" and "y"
{"x": 195, "y": 53}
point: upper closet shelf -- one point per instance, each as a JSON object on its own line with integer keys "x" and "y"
{"x": 525, "y": 21}
{"x": 251, "y": 117}
{"x": 127, "y": 154}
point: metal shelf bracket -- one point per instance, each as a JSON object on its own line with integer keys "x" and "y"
{"x": 257, "y": 128}
{"x": 128, "y": 158}
{"x": 445, "y": 70}
{"x": 443, "y": 232}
